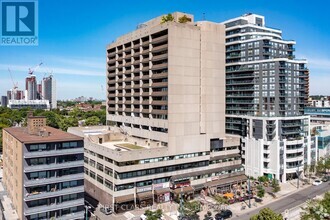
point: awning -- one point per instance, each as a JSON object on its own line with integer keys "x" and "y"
{"x": 187, "y": 189}
{"x": 144, "y": 195}
{"x": 126, "y": 198}
{"x": 220, "y": 157}
{"x": 199, "y": 186}
{"x": 227, "y": 181}
{"x": 161, "y": 191}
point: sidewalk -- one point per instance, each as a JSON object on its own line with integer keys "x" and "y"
{"x": 170, "y": 210}
{"x": 286, "y": 190}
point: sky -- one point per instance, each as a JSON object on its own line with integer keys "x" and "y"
{"x": 73, "y": 36}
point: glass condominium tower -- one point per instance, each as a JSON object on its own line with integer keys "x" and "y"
{"x": 266, "y": 92}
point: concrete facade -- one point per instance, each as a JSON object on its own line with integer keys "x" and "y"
{"x": 166, "y": 105}
{"x": 49, "y": 91}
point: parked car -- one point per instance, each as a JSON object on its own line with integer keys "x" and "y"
{"x": 225, "y": 214}
{"x": 317, "y": 182}
{"x": 106, "y": 210}
{"x": 325, "y": 178}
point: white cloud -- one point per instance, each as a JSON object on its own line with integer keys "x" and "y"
{"x": 89, "y": 62}
{"x": 320, "y": 64}
{"x": 56, "y": 70}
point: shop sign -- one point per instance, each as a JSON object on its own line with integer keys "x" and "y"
{"x": 143, "y": 189}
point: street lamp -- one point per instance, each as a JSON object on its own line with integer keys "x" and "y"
{"x": 86, "y": 211}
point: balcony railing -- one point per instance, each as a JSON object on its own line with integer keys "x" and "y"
{"x": 72, "y": 216}
{"x": 159, "y": 39}
{"x": 159, "y": 75}
{"x": 53, "y": 207}
{"x": 54, "y": 166}
{"x": 44, "y": 181}
{"x": 49, "y": 153}
{"x": 55, "y": 193}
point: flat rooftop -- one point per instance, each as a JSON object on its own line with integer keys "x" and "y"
{"x": 55, "y": 135}
{"x": 123, "y": 146}
{"x": 126, "y": 143}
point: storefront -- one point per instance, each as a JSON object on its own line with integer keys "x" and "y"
{"x": 162, "y": 192}
{"x": 124, "y": 203}
{"x": 225, "y": 185}
{"x": 187, "y": 193}
{"x": 144, "y": 196}
{"x": 144, "y": 199}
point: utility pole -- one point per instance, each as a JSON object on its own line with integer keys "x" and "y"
{"x": 297, "y": 177}
{"x": 249, "y": 185}
{"x": 181, "y": 205}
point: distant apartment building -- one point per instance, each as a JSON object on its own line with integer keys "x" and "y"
{"x": 318, "y": 114}
{"x": 15, "y": 94}
{"x": 43, "y": 171}
{"x": 266, "y": 92}
{"x": 166, "y": 102}
{"x": 4, "y": 101}
{"x": 32, "y": 104}
{"x": 49, "y": 91}
{"x": 31, "y": 88}
{"x": 319, "y": 102}
{"x": 321, "y": 138}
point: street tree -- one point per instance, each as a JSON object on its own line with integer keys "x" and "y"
{"x": 276, "y": 186}
{"x": 317, "y": 208}
{"x": 190, "y": 209}
{"x": 261, "y": 191}
{"x": 267, "y": 213}
{"x": 153, "y": 215}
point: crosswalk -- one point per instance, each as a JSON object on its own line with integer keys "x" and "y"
{"x": 129, "y": 215}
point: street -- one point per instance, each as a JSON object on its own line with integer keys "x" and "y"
{"x": 290, "y": 201}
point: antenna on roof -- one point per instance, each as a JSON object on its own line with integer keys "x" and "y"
{"x": 203, "y": 16}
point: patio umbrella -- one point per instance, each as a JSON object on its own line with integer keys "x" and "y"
{"x": 229, "y": 195}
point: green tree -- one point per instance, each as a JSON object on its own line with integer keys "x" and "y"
{"x": 323, "y": 165}
{"x": 153, "y": 215}
{"x": 190, "y": 209}
{"x": 94, "y": 120}
{"x": 317, "y": 209}
{"x": 67, "y": 122}
{"x": 261, "y": 191}
{"x": 267, "y": 214}
{"x": 221, "y": 200}
{"x": 167, "y": 18}
{"x": 52, "y": 118}
{"x": 262, "y": 179}
{"x": 275, "y": 185}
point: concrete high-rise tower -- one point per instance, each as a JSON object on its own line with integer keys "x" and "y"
{"x": 166, "y": 98}
{"x": 31, "y": 87}
{"x": 49, "y": 91}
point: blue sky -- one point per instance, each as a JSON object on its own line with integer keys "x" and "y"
{"x": 73, "y": 36}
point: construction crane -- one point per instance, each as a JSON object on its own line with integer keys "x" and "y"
{"x": 31, "y": 71}
{"x": 15, "y": 85}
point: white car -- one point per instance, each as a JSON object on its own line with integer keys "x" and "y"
{"x": 317, "y": 182}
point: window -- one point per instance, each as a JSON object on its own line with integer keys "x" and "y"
{"x": 108, "y": 184}
{"x": 100, "y": 179}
